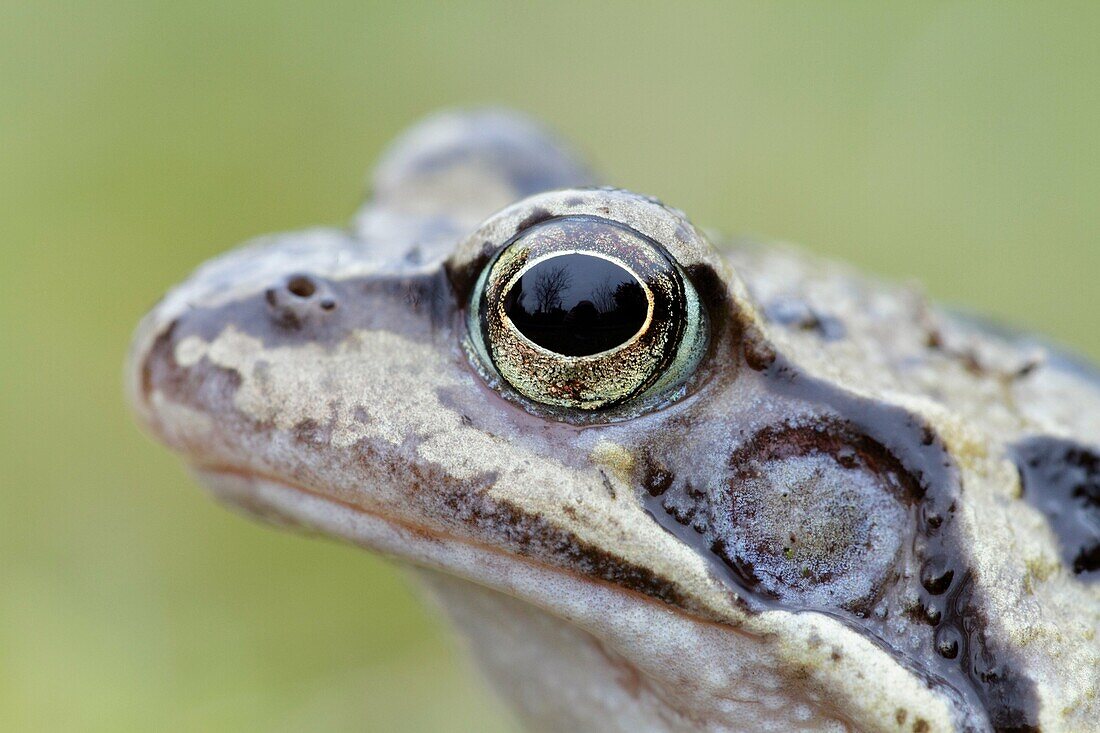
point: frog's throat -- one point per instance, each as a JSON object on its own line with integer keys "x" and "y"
{"x": 656, "y": 672}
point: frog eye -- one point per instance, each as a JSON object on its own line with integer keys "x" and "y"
{"x": 584, "y": 311}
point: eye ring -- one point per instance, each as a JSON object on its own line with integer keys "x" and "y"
{"x": 580, "y": 310}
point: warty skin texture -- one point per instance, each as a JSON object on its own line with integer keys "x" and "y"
{"x": 324, "y": 380}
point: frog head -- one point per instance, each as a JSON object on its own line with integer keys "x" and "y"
{"x": 661, "y": 487}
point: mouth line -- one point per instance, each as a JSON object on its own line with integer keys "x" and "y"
{"x": 293, "y": 505}
{"x": 608, "y": 613}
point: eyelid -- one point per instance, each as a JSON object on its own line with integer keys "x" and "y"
{"x": 685, "y": 244}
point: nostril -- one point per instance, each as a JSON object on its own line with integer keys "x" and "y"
{"x": 301, "y": 286}
{"x": 300, "y": 300}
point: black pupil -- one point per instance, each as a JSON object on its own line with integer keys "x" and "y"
{"x": 576, "y": 304}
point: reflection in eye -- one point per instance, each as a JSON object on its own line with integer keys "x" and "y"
{"x": 586, "y": 313}
{"x": 577, "y": 304}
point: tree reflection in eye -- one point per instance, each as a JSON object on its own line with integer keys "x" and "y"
{"x": 577, "y": 304}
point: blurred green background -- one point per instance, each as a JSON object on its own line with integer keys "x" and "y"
{"x": 955, "y": 143}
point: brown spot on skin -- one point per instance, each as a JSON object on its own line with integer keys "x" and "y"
{"x": 629, "y": 677}
{"x": 921, "y": 613}
{"x": 682, "y": 233}
{"x": 463, "y": 279}
{"x": 900, "y": 715}
{"x": 972, "y": 364}
{"x": 934, "y": 339}
{"x": 759, "y": 355}
{"x": 202, "y": 381}
{"x": 537, "y": 216}
{"x": 161, "y": 349}
{"x": 658, "y": 477}
{"x": 1027, "y": 369}
{"x": 794, "y": 312}
{"x": 799, "y": 673}
{"x": 921, "y": 726}
{"x": 608, "y": 485}
{"x": 308, "y": 431}
{"x": 967, "y": 357}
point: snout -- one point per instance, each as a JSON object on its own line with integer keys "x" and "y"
{"x": 203, "y": 372}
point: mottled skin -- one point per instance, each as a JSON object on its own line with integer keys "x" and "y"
{"x": 322, "y": 379}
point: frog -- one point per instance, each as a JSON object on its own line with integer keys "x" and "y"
{"x": 657, "y": 478}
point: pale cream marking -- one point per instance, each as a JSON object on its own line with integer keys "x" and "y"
{"x": 189, "y": 351}
{"x": 396, "y": 381}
